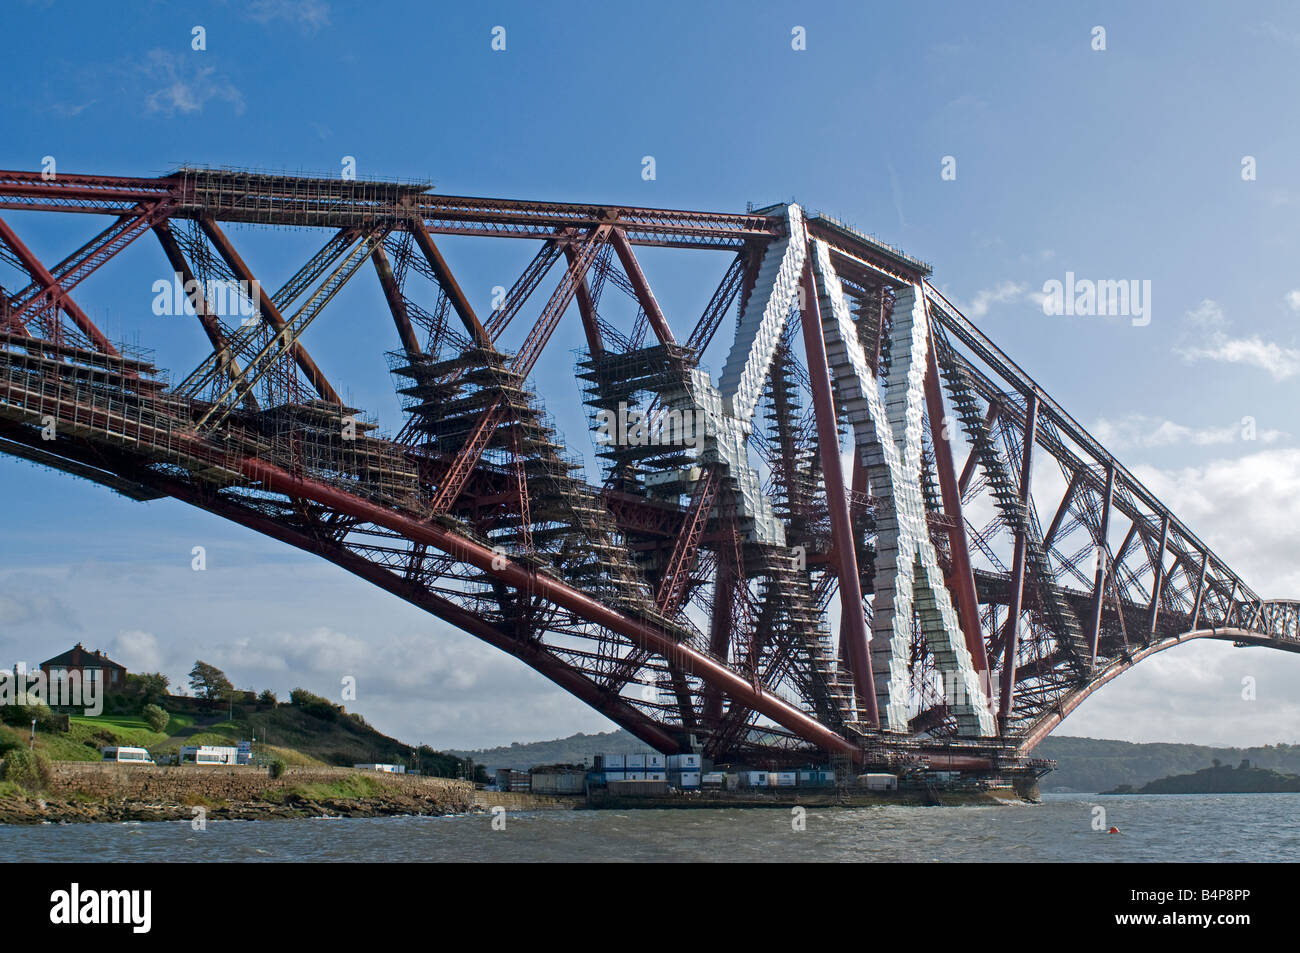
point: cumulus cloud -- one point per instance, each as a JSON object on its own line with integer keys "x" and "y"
{"x": 1246, "y": 509}
{"x": 137, "y": 650}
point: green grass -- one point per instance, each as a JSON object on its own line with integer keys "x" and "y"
{"x": 127, "y": 729}
{"x": 352, "y": 786}
{"x": 11, "y": 789}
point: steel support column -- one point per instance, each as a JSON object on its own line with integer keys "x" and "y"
{"x": 1103, "y": 565}
{"x": 593, "y": 610}
{"x": 828, "y": 434}
{"x": 59, "y": 298}
{"x": 961, "y": 579}
{"x": 449, "y": 284}
{"x": 396, "y": 303}
{"x": 267, "y": 307}
{"x": 644, "y": 295}
{"x": 1012, "y": 647}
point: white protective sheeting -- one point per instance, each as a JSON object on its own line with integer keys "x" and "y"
{"x": 888, "y": 438}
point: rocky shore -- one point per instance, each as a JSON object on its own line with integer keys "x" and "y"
{"x": 96, "y": 793}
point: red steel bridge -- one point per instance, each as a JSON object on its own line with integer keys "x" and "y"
{"x": 834, "y": 548}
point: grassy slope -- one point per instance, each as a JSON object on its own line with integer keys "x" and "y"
{"x": 285, "y": 731}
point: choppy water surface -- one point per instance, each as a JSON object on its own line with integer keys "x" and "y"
{"x": 1233, "y": 828}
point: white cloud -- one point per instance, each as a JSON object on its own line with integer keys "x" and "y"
{"x": 1207, "y": 314}
{"x": 309, "y": 14}
{"x": 182, "y": 85}
{"x": 1246, "y": 509}
{"x": 1278, "y": 360}
{"x": 1140, "y": 430}
{"x": 1293, "y": 299}
{"x": 138, "y": 651}
{"x": 985, "y": 298}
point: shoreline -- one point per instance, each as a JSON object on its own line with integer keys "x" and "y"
{"x": 94, "y": 792}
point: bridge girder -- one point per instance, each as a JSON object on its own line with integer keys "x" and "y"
{"x": 598, "y": 587}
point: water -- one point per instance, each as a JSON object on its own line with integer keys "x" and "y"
{"x": 1227, "y": 827}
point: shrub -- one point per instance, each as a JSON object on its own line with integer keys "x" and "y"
{"x": 21, "y": 716}
{"x": 267, "y": 697}
{"x": 26, "y": 768}
{"x": 276, "y": 768}
{"x": 314, "y": 705}
{"x": 155, "y": 717}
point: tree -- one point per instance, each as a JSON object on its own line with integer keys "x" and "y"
{"x": 208, "y": 681}
{"x": 154, "y": 686}
{"x": 155, "y": 717}
{"x": 267, "y": 697}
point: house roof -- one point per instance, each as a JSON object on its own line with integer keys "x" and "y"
{"x": 79, "y": 657}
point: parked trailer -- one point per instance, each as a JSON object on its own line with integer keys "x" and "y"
{"x": 125, "y": 754}
{"x": 209, "y": 754}
{"x": 879, "y": 782}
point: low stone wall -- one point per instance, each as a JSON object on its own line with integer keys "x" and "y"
{"x": 521, "y": 801}
{"x": 216, "y": 782}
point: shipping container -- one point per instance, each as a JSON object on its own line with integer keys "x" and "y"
{"x": 818, "y": 778}
{"x": 612, "y": 776}
{"x": 636, "y": 761}
{"x": 558, "y": 782}
{"x": 785, "y": 779}
{"x": 638, "y": 788}
{"x": 655, "y": 762}
{"x": 755, "y": 779}
{"x": 685, "y": 762}
{"x": 879, "y": 782}
{"x": 615, "y": 762}
{"x": 687, "y": 780}
{"x": 714, "y": 779}
{"x": 656, "y": 775}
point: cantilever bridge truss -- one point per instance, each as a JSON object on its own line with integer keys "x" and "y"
{"x": 833, "y": 547}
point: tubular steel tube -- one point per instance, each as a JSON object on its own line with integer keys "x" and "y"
{"x": 585, "y": 606}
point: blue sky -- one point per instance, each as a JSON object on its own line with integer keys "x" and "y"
{"x": 1122, "y": 163}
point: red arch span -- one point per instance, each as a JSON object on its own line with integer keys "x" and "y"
{"x": 1054, "y": 716}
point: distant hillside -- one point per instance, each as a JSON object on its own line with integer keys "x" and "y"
{"x": 575, "y": 749}
{"x": 1093, "y": 764}
{"x": 1083, "y": 764}
{"x": 307, "y": 731}
{"x": 1220, "y": 779}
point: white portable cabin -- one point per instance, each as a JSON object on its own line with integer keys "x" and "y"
{"x": 209, "y": 754}
{"x": 126, "y": 754}
{"x": 879, "y": 782}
